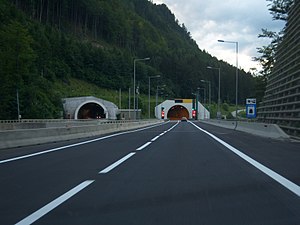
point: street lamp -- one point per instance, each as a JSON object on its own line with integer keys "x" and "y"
{"x": 236, "y": 75}
{"x": 134, "y": 62}
{"x": 204, "y": 94}
{"x": 209, "y": 92}
{"x": 157, "y": 76}
{"x": 196, "y": 102}
{"x": 161, "y": 87}
{"x": 219, "y": 98}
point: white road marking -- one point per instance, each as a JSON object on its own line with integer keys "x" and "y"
{"x": 173, "y": 126}
{"x": 165, "y": 132}
{"x": 74, "y": 145}
{"x": 155, "y": 138}
{"x": 275, "y": 176}
{"x": 55, "y": 203}
{"x": 109, "y": 168}
{"x": 143, "y": 146}
{"x": 114, "y": 165}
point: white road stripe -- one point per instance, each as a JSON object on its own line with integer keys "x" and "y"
{"x": 167, "y": 130}
{"x": 114, "y": 165}
{"x": 143, "y": 146}
{"x": 74, "y": 145}
{"x": 275, "y": 176}
{"x": 154, "y": 139}
{"x": 52, "y": 205}
{"x": 174, "y": 126}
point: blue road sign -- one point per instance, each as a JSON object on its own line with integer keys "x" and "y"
{"x": 251, "y": 108}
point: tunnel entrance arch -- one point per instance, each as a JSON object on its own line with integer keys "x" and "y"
{"x": 176, "y": 112}
{"x": 91, "y": 110}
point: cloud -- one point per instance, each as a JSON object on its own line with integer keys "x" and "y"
{"x": 231, "y": 20}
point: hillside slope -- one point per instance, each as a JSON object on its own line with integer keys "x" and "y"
{"x": 96, "y": 41}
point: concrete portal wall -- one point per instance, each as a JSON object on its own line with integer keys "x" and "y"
{"x": 203, "y": 113}
{"x": 73, "y": 105}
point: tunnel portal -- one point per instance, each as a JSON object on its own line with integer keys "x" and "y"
{"x": 177, "y": 112}
{"x": 91, "y": 111}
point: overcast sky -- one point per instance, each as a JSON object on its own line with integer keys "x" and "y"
{"x": 230, "y": 20}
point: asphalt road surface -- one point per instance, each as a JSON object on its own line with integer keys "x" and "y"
{"x": 177, "y": 173}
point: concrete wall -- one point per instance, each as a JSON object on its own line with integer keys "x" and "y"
{"x": 72, "y": 106}
{"x": 24, "y": 137}
{"x": 260, "y": 129}
{"x": 203, "y": 113}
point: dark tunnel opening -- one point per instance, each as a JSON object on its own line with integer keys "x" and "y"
{"x": 177, "y": 112}
{"x": 91, "y": 111}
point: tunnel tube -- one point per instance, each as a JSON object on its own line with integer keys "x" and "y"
{"x": 176, "y": 112}
{"x": 91, "y": 110}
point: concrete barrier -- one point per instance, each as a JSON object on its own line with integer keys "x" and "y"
{"x": 260, "y": 129}
{"x": 25, "y": 137}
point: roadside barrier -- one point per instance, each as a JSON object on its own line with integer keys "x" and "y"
{"x": 65, "y": 130}
{"x": 260, "y": 129}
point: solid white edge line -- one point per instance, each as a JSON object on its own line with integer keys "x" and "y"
{"x": 275, "y": 176}
{"x": 143, "y": 146}
{"x": 77, "y": 144}
{"x": 55, "y": 203}
{"x": 117, "y": 163}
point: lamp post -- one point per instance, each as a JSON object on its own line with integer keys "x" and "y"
{"x": 196, "y": 102}
{"x": 18, "y": 106}
{"x": 129, "y": 116}
{"x": 157, "y": 76}
{"x": 156, "y": 96}
{"x": 204, "y": 94}
{"x": 209, "y": 92}
{"x": 236, "y": 74}
{"x": 198, "y": 98}
{"x": 134, "y": 62}
{"x": 219, "y": 94}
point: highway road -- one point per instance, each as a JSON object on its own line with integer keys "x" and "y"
{"x": 176, "y": 173}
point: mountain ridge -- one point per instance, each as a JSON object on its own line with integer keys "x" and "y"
{"x": 97, "y": 41}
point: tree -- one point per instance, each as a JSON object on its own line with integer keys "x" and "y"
{"x": 279, "y": 10}
{"x": 16, "y": 56}
{"x": 95, "y": 41}
{"x": 267, "y": 57}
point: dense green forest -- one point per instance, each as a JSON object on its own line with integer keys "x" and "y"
{"x": 43, "y": 42}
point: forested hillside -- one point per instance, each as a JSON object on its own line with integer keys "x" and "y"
{"x": 48, "y": 41}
